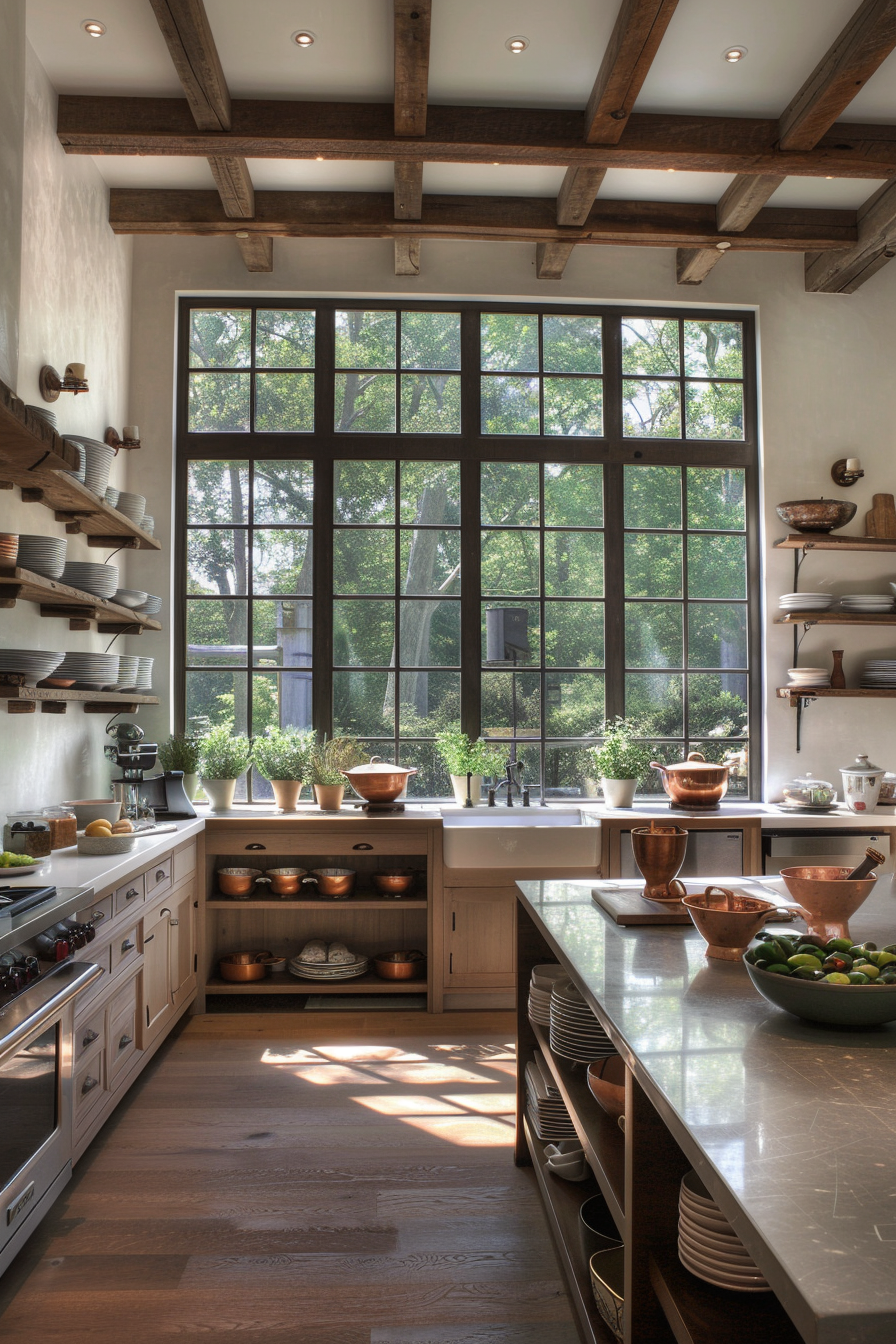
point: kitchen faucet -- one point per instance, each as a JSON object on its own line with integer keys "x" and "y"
{"x": 514, "y": 773}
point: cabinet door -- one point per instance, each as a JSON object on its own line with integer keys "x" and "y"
{"x": 182, "y": 946}
{"x": 156, "y": 976}
{"x": 480, "y": 937}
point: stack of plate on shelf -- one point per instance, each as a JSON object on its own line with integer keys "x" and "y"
{"x": 806, "y": 601}
{"x": 879, "y": 674}
{"x": 129, "y": 597}
{"x": 42, "y": 555}
{"x": 866, "y": 604}
{"x": 91, "y": 671}
{"x": 97, "y": 460}
{"x": 152, "y": 606}
{"x": 81, "y": 468}
{"x": 132, "y": 506}
{"x": 143, "y": 683}
{"x": 540, "y": 986}
{"x": 324, "y": 970}
{"x": 45, "y": 414}
{"x": 545, "y": 1107}
{"x": 708, "y": 1245}
{"x": 809, "y": 676}
{"x": 148, "y": 523}
{"x": 33, "y": 664}
{"x": 127, "y": 672}
{"x": 576, "y": 1034}
{"x": 111, "y": 496}
{"x": 98, "y": 580}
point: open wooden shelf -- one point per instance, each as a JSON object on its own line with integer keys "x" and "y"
{"x": 835, "y": 618}
{"x": 36, "y": 458}
{"x": 58, "y": 599}
{"x": 25, "y": 699}
{"x": 795, "y": 693}
{"x": 291, "y": 984}
{"x": 599, "y": 1134}
{"x": 219, "y": 902}
{"x": 562, "y": 1201}
{"x": 699, "y": 1313}
{"x": 826, "y": 541}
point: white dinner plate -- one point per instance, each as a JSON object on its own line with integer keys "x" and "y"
{"x": 21, "y": 870}
{"x": 709, "y": 1276}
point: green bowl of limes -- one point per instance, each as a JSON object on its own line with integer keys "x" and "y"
{"x": 838, "y": 982}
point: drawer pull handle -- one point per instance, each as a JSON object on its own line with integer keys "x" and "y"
{"x": 98, "y": 916}
{"x": 129, "y": 895}
{"x": 363, "y": 845}
{"x": 125, "y": 1041}
{"x": 164, "y": 911}
{"x": 256, "y": 845}
{"x": 89, "y": 1037}
{"x": 88, "y": 1085}
{"x": 127, "y": 945}
{"x": 149, "y": 937}
{"x": 160, "y": 873}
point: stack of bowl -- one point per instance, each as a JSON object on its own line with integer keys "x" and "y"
{"x": 807, "y": 677}
{"x": 32, "y": 665}
{"x": 148, "y": 523}
{"x": 98, "y": 580}
{"x": 97, "y": 460}
{"x": 77, "y": 446}
{"x": 132, "y": 506}
{"x": 132, "y": 598}
{"x": 709, "y": 1247}
{"x": 111, "y": 496}
{"x": 151, "y": 607}
{"x": 43, "y": 555}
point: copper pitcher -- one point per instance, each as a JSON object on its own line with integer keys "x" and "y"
{"x": 659, "y": 853}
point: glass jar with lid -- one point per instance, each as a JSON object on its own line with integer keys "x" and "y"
{"x": 810, "y": 794}
{"x": 63, "y": 826}
{"x": 27, "y": 833}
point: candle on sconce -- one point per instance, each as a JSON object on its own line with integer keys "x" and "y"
{"x": 131, "y": 433}
{"x": 853, "y": 464}
{"x": 76, "y": 371}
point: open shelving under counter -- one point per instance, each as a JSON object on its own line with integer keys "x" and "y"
{"x": 285, "y": 983}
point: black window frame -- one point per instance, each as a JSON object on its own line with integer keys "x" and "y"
{"x": 471, "y": 447}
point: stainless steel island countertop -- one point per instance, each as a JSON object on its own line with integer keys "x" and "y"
{"x": 792, "y": 1126}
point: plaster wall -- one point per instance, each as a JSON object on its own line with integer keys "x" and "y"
{"x": 12, "y": 116}
{"x": 74, "y": 305}
{"x": 826, "y": 391}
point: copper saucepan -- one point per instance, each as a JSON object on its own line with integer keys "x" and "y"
{"x": 238, "y": 881}
{"x": 394, "y": 881}
{"x": 401, "y": 965}
{"x": 379, "y": 781}
{"x": 695, "y": 783}
{"x": 243, "y": 966}
{"x": 336, "y": 883}
{"x": 286, "y": 881}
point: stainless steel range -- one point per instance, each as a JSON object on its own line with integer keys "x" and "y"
{"x": 39, "y": 985}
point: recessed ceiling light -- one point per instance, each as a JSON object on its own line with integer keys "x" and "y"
{"x": 516, "y": 45}
{"x": 303, "y": 38}
{"x": 93, "y": 27}
{"x": 241, "y": 233}
{"x": 734, "y": 54}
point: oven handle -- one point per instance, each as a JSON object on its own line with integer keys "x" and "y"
{"x": 38, "y": 1004}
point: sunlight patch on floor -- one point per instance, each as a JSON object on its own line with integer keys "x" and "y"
{"x": 466, "y": 1132}
{"x": 403, "y": 1106}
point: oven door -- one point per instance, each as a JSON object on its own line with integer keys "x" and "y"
{"x": 36, "y": 1032}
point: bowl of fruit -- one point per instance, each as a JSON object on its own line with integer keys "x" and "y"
{"x": 106, "y": 837}
{"x": 841, "y": 983}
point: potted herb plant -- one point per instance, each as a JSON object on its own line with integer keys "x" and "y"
{"x": 463, "y": 756}
{"x": 181, "y": 752}
{"x": 620, "y": 762}
{"x": 327, "y": 762}
{"x": 283, "y": 756}
{"x": 223, "y": 758}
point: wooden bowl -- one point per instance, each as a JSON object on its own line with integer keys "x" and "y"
{"x": 816, "y": 515}
{"x": 242, "y": 966}
{"x": 606, "y": 1078}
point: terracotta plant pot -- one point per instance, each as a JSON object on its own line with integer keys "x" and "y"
{"x": 286, "y": 793}
{"x": 219, "y": 793}
{"x": 329, "y": 796}
{"x": 619, "y": 792}
{"x": 659, "y": 854}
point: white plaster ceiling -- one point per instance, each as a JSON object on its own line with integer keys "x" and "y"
{"x": 351, "y": 60}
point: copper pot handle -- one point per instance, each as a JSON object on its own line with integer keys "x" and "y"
{"x": 696, "y": 756}
{"x": 677, "y": 888}
{"x": 309, "y": 879}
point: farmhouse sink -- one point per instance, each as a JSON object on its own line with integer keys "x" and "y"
{"x": 533, "y": 837}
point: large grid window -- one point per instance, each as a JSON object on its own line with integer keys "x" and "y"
{"x": 518, "y": 520}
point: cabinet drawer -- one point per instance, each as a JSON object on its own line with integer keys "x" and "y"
{"x": 130, "y": 895}
{"x": 158, "y": 877}
{"x": 90, "y": 1036}
{"x": 95, "y": 955}
{"x": 122, "y": 1032}
{"x": 89, "y": 1086}
{"x": 125, "y": 948}
{"x": 98, "y": 913}
{"x": 302, "y": 841}
{"x": 184, "y": 863}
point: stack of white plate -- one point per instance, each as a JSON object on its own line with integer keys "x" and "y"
{"x": 127, "y": 672}
{"x": 111, "y": 496}
{"x": 43, "y": 555}
{"x": 323, "y": 970}
{"x": 45, "y": 414}
{"x": 132, "y": 506}
{"x": 708, "y": 1245}
{"x": 806, "y": 601}
{"x": 129, "y": 597}
{"x": 143, "y": 683}
{"x": 576, "y": 1033}
{"x": 809, "y": 676}
{"x": 34, "y": 664}
{"x": 98, "y": 580}
{"x": 879, "y": 674}
{"x": 540, "y": 986}
{"x": 97, "y": 458}
{"x": 152, "y": 606}
{"x": 865, "y": 604}
{"x": 148, "y": 523}
{"x": 91, "y": 671}
{"x": 78, "y": 447}
{"x": 545, "y": 1107}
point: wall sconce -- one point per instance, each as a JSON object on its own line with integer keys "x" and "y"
{"x": 846, "y": 471}
{"x": 130, "y": 437}
{"x": 73, "y": 380}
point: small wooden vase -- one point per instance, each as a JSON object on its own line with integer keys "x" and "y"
{"x": 838, "y": 679}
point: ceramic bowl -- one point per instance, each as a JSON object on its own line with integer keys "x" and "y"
{"x": 826, "y": 899}
{"x": 727, "y": 920}
{"x": 836, "y": 1005}
{"x": 606, "y": 1078}
{"x": 87, "y": 810}
{"x": 607, "y": 1269}
{"x": 816, "y": 515}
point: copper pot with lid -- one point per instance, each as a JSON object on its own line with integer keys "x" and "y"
{"x": 379, "y": 781}
{"x": 695, "y": 783}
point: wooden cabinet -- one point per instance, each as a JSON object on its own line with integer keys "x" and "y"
{"x": 480, "y": 937}
{"x": 182, "y": 944}
{"x": 156, "y": 977}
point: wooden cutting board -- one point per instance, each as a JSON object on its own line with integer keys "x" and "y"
{"x": 628, "y": 906}
{"x": 880, "y": 521}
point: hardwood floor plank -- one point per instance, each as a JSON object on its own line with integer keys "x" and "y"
{"x": 109, "y": 1273}
{"x": 338, "y": 1271}
{"x": 485, "y": 1334}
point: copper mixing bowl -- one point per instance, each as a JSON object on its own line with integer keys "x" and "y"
{"x": 816, "y": 515}
{"x": 394, "y": 882}
{"x": 243, "y": 966}
{"x": 408, "y": 968}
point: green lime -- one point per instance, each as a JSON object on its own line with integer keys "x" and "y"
{"x": 809, "y": 949}
{"x": 884, "y": 959}
{"x": 839, "y": 945}
{"x": 807, "y": 973}
{"x": 870, "y": 971}
{"x": 836, "y": 978}
{"x": 803, "y": 959}
{"x": 857, "y": 978}
{"x": 778, "y": 968}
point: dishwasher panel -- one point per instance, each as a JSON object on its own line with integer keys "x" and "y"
{"x": 709, "y": 854}
{"x": 827, "y": 847}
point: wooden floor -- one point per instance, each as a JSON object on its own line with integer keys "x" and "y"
{"x": 319, "y": 1179}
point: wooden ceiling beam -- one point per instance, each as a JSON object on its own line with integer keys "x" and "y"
{"x": 412, "y": 23}
{"x": 257, "y": 251}
{"x": 551, "y": 259}
{"x": 191, "y": 45}
{"x": 577, "y": 194}
{"x": 743, "y": 200}
{"x": 693, "y": 264}
{"x": 526, "y": 136}
{"x": 371, "y": 215}
{"x": 843, "y": 272}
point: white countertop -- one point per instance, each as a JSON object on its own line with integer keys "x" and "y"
{"x": 68, "y": 868}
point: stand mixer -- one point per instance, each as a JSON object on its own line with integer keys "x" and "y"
{"x": 143, "y": 799}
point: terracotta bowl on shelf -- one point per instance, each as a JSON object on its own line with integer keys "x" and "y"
{"x": 606, "y": 1079}
{"x": 242, "y": 966}
{"x": 400, "y": 965}
{"x": 9, "y": 547}
{"x": 816, "y": 515}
